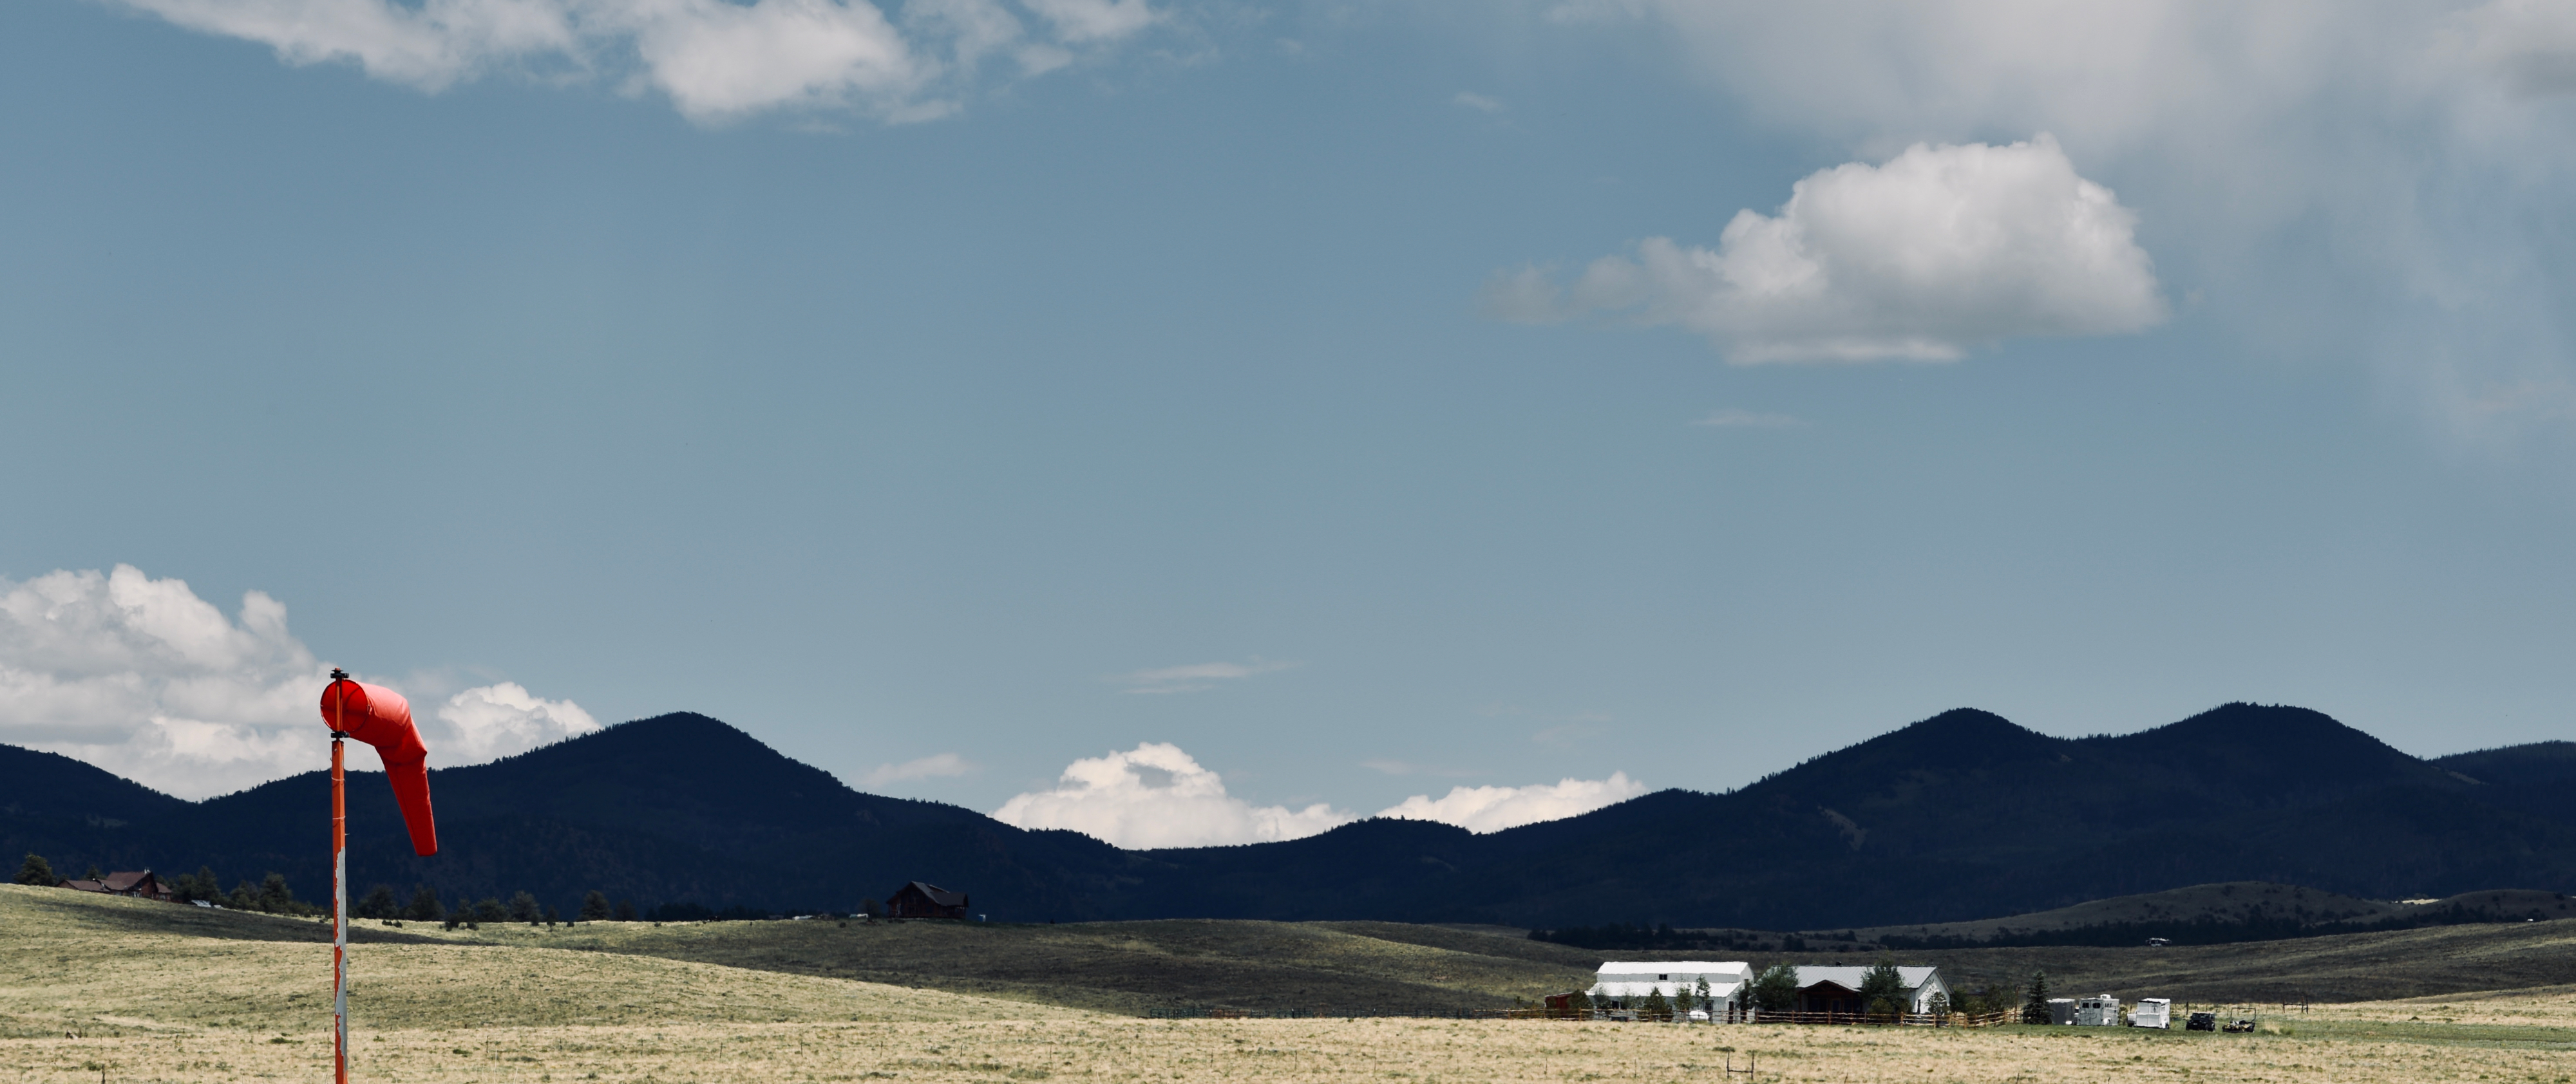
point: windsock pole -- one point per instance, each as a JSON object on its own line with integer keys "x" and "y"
{"x": 339, "y": 887}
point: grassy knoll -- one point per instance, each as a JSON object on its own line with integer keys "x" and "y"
{"x": 2342, "y": 967}
{"x": 1128, "y": 967}
{"x": 104, "y": 967}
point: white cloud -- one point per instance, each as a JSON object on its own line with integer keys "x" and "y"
{"x": 1939, "y": 249}
{"x": 2377, "y": 181}
{"x": 1736, "y": 418}
{"x": 494, "y": 721}
{"x": 141, "y": 677}
{"x": 936, "y": 766}
{"x": 715, "y": 59}
{"x": 1477, "y": 102}
{"x": 1492, "y": 809}
{"x": 1195, "y": 677}
{"x": 1155, "y": 795}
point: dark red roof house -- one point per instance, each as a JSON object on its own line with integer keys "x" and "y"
{"x": 137, "y": 883}
{"x": 920, "y": 900}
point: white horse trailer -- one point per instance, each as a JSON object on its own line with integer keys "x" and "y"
{"x": 2152, "y": 1012}
{"x": 2097, "y": 1012}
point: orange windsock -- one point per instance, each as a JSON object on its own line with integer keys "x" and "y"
{"x": 380, "y": 717}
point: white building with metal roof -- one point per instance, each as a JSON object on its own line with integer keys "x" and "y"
{"x": 1623, "y": 984}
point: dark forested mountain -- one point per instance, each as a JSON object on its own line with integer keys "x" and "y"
{"x": 1960, "y": 816}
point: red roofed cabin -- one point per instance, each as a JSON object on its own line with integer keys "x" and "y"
{"x": 130, "y": 883}
{"x": 919, "y": 900}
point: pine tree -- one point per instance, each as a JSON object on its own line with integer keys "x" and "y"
{"x": 1776, "y": 988}
{"x": 36, "y": 871}
{"x": 277, "y": 899}
{"x": 1702, "y": 999}
{"x": 489, "y": 909}
{"x": 93, "y": 874}
{"x": 626, "y": 910}
{"x": 1655, "y": 1007}
{"x": 594, "y": 907}
{"x": 2034, "y": 1007}
{"x": 424, "y": 905}
{"x": 379, "y": 903}
{"x": 523, "y": 908}
{"x": 552, "y": 916}
{"x": 1882, "y": 989}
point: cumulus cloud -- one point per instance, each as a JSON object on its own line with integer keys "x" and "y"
{"x": 497, "y": 720}
{"x": 1195, "y": 677}
{"x": 714, "y": 59}
{"x": 141, "y": 677}
{"x": 2372, "y": 182}
{"x": 937, "y": 766}
{"x": 1939, "y": 249}
{"x": 1492, "y": 809}
{"x": 1155, "y": 795}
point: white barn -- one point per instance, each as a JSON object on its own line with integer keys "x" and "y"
{"x": 1622, "y": 984}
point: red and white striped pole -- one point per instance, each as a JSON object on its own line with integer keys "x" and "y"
{"x": 339, "y": 884}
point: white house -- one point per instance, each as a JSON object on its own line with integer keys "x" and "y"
{"x": 1622, "y": 984}
{"x": 1837, "y": 989}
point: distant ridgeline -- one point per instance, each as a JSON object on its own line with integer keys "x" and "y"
{"x": 1960, "y": 816}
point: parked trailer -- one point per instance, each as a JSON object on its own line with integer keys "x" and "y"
{"x": 2101, "y": 1011}
{"x": 2152, "y": 1012}
{"x": 2061, "y": 1010}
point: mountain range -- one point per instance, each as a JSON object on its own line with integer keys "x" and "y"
{"x": 1961, "y": 816}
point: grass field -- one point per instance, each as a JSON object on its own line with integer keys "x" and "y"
{"x": 93, "y": 988}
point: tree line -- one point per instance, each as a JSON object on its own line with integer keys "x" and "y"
{"x": 273, "y": 896}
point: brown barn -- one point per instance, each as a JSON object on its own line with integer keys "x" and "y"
{"x": 128, "y": 883}
{"x": 920, "y": 900}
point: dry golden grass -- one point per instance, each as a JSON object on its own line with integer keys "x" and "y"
{"x": 122, "y": 990}
{"x": 1122, "y": 1050}
{"x": 93, "y": 965}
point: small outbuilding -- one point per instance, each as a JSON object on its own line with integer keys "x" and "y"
{"x": 921, "y": 899}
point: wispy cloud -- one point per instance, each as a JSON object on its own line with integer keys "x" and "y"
{"x": 1478, "y": 102}
{"x": 1734, "y": 418}
{"x": 1196, "y": 677}
{"x": 939, "y": 766}
{"x": 716, "y": 60}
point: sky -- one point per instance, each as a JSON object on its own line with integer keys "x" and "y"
{"x": 1191, "y": 421}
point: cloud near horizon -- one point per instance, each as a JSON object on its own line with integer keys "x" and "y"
{"x": 1939, "y": 249}
{"x": 142, "y": 678}
{"x": 716, "y": 60}
{"x": 1156, "y": 796}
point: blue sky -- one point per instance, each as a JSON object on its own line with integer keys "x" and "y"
{"x": 1242, "y": 378}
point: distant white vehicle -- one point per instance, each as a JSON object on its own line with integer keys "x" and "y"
{"x": 2152, "y": 1012}
{"x": 201, "y": 903}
